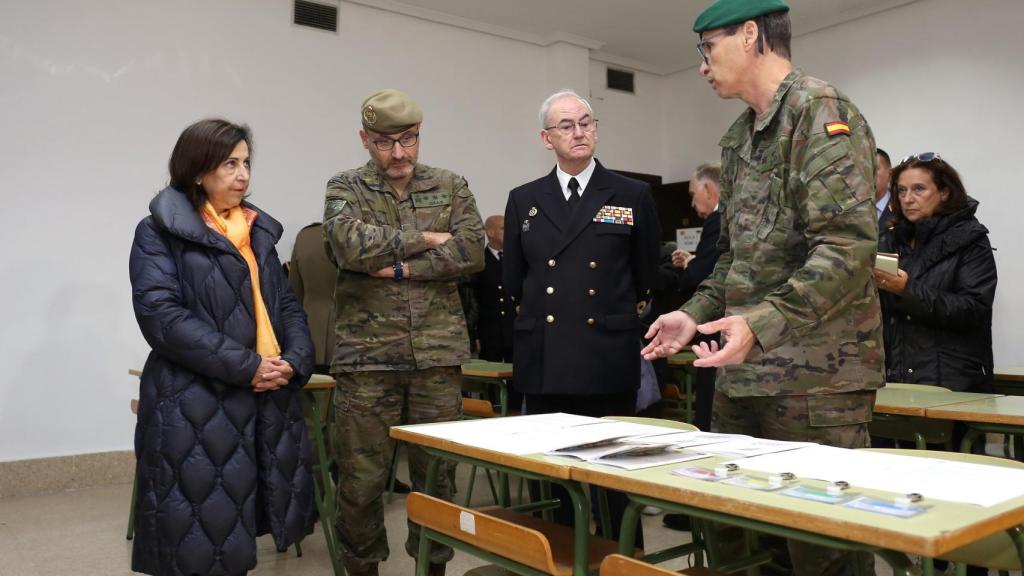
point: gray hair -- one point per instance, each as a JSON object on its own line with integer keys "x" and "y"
{"x": 546, "y": 106}
{"x": 708, "y": 172}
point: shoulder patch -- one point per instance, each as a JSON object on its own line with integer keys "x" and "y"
{"x": 836, "y": 128}
{"x": 333, "y": 207}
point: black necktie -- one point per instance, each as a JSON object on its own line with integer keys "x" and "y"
{"x": 574, "y": 194}
{"x": 499, "y": 255}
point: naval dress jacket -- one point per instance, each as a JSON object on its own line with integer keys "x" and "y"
{"x": 798, "y": 240}
{"x": 578, "y": 279}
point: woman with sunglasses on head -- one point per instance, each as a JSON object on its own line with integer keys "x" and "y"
{"x": 937, "y": 308}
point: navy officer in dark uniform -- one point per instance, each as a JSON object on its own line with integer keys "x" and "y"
{"x": 580, "y": 254}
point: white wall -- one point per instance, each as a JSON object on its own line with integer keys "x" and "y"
{"x": 935, "y": 75}
{"x": 93, "y": 96}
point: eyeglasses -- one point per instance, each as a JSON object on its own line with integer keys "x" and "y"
{"x": 704, "y": 46}
{"x": 922, "y": 157}
{"x": 568, "y": 127}
{"x": 407, "y": 140}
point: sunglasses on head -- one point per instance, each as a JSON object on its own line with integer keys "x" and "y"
{"x": 922, "y": 157}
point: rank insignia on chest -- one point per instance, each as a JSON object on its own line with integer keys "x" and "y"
{"x": 526, "y": 225}
{"x": 615, "y": 215}
{"x": 533, "y": 211}
{"x": 836, "y": 128}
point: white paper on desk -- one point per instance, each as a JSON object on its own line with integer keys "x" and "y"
{"x": 670, "y": 456}
{"x": 932, "y": 478}
{"x": 697, "y": 438}
{"x": 747, "y": 447}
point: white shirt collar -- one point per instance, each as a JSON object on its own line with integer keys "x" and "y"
{"x": 493, "y": 251}
{"x": 882, "y": 203}
{"x": 583, "y": 178}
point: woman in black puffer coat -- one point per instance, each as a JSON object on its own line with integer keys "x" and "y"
{"x": 937, "y": 310}
{"x": 221, "y": 443}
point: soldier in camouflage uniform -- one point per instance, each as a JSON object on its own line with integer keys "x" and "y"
{"x": 401, "y": 233}
{"x": 792, "y": 291}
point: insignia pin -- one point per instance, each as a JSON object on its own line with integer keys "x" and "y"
{"x": 526, "y": 225}
{"x": 533, "y": 211}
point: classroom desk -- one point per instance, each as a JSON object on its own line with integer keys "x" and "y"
{"x": 318, "y": 394}
{"x": 492, "y": 374}
{"x": 998, "y": 415}
{"x": 916, "y": 403}
{"x": 682, "y": 365}
{"x": 533, "y": 467}
{"x": 945, "y": 527}
{"x": 1008, "y": 374}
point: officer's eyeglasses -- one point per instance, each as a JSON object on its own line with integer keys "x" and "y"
{"x": 922, "y": 157}
{"x": 407, "y": 140}
{"x": 704, "y": 46}
{"x": 568, "y": 127}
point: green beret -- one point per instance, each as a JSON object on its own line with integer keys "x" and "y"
{"x": 728, "y": 12}
{"x": 389, "y": 111}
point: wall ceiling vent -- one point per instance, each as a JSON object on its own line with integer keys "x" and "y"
{"x": 620, "y": 80}
{"x": 315, "y": 15}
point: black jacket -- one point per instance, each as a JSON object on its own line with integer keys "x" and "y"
{"x": 496, "y": 312}
{"x": 218, "y": 464}
{"x": 685, "y": 281}
{"x": 577, "y": 283}
{"x": 940, "y": 330}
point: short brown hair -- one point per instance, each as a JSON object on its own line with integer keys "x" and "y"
{"x": 201, "y": 148}
{"x": 944, "y": 176}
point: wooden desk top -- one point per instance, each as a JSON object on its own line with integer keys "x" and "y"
{"x": 684, "y": 358}
{"x": 998, "y": 410}
{"x": 946, "y": 526}
{"x": 917, "y": 402}
{"x": 484, "y": 369}
{"x": 1009, "y": 373}
{"x": 551, "y": 467}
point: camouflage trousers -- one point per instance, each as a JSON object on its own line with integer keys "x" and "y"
{"x": 366, "y": 405}
{"x": 832, "y": 419}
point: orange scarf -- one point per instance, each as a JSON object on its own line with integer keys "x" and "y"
{"x": 236, "y": 228}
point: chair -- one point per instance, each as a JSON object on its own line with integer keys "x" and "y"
{"x": 619, "y": 565}
{"x": 1001, "y": 551}
{"x": 920, "y": 431}
{"x": 513, "y": 540}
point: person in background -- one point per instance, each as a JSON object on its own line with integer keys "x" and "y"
{"x": 938, "y": 306}
{"x": 311, "y": 275}
{"x": 494, "y": 328}
{"x": 882, "y": 195}
{"x": 401, "y": 234}
{"x": 802, "y": 354}
{"x": 223, "y": 455}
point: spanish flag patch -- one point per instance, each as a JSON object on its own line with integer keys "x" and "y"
{"x": 833, "y": 128}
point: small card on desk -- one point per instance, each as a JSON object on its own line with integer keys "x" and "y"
{"x": 888, "y": 263}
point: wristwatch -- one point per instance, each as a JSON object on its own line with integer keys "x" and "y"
{"x": 399, "y": 271}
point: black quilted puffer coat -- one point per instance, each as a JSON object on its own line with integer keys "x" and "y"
{"x": 218, "y": 464}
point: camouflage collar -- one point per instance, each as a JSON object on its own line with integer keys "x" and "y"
{"x": 422, "y": 178}
{"x": 748, "y": 122}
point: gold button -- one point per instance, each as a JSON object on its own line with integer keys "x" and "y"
{"x": 593, "y": 264}
{"x": 590, "y": 321}
{"x": 499, "y": 287}
{"x": 550, "y": 318}
{"x": 501, "y": 299}
{"x": 502, "y": 312}
{"x": 550, "y": 290}
{"x": 591, "y": 292}
{"x": 551, "y": 263}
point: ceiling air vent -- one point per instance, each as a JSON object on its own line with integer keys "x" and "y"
{"x": 620, "y": 80}
{"x": 314, "y": 15}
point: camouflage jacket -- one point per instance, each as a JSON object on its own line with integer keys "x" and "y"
{"x": 410, "y": 324}
{"x": 798, "y": 240}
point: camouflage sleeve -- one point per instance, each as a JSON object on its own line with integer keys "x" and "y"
{"x": 831, "y": 180}
{"x": 356, "y": 245}
{"x": 708, "y": 302}
{"x": 464, "y": 253}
